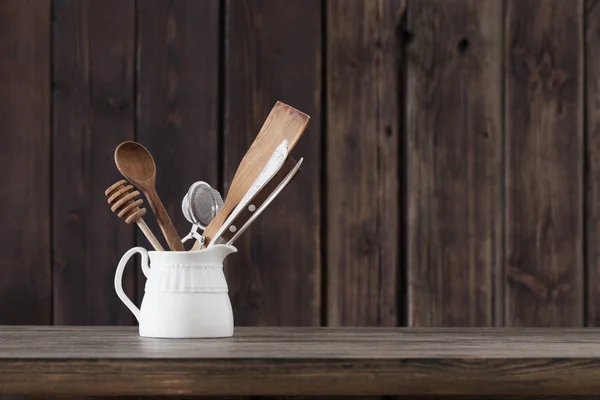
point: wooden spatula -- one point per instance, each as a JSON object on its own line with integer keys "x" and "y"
{"x": 283, "y": 122}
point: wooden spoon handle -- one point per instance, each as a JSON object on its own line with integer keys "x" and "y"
{"x": 149, "y": 235}
{"x": 164, "y": 222}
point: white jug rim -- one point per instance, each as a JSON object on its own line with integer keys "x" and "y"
{"x": 230, "y": 249}
{"x": 212, "y": 255}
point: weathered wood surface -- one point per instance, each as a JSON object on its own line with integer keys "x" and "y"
{"x": 362, "y": 154}
{"x": 273, "y": 52}
{"x": 178, "y": 99}
{"x": 544, "y": 156}
{"x": 454, "y": 175}
{"x": 194, "y": 80}
{"x": 592, "y": 183}
{"x": 25, "y": 161}
{"x": 301, "y": 361}
{"x": 93, "y": 109}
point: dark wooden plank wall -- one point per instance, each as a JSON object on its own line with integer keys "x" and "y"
{"x": 363, "y": 83}
{"x": 273, "y": 52}
{"x": 25, "y": 156}
{"x": 454, "y": 135}
{"x": 93, "y": 57}
{"x": 450, "y": 172}
{"x": 592, "y": 156}
{"x": 544, "y": 163}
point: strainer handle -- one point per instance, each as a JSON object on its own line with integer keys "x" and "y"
{"x": 119, "y": 277}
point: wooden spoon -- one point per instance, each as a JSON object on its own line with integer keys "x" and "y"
{"x": 124, "y": 200}
{"x": 136, "y": 164}
{"x": 283, "y": 123}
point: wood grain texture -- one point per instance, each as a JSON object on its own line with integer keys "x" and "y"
{"x": 458, "y": 377}
{"x": 178, "y": 99}
{"x": 544, "y": 133}
{"x": 273, "y": 53}
{"x": 592, "y": 183}
{"x": 302, "y": 361}
{"x": 363, "y": 111}
{"x": 318, "y": 343}
{"x": 93, "y": 108}
{"x": 284, "y": 123}
{"x": 256, "y": 203}
{"x": 25, "y": 269}
{"x": 454, "y": 146}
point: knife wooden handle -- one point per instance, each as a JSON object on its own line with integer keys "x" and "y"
{"x": 259, "y": 198}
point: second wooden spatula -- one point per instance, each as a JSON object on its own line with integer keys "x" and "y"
{"x": 283, "y": 123}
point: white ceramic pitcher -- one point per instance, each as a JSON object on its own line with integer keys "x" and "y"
{"x": 186, "y": 293}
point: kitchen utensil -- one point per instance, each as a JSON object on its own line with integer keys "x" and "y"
{"x": 267, "y": 173}
{"x": 124, "y": 200}
{"x": 270, "y": 169}
{"x": 283, "y": 122}
{"x": 185, "y": 294}
{"x": 136, "y": 164}
{"x": 199, "y": 206}
{"x": 260, "y": 201}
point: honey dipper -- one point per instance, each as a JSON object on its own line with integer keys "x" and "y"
{"x": 125, "y": 199}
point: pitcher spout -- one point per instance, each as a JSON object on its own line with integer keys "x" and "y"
{"x": 219, "y": 251}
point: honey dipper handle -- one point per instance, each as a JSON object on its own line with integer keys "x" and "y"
{"x": 149, "y": 235}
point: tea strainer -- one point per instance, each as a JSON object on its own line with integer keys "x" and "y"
{"x": 199, "y": 206}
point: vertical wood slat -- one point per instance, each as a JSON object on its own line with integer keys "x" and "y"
{"x": 273, "y": 52}
{"x": 177, "y": 115}
{"x": 93, "y": 106}
{"x": 544, "y": 127}
{"x": 592, "y": 184}
{"x": 363, "y": 61}
{"x": 25, "y": 270}
{"x": 454, "y": 135}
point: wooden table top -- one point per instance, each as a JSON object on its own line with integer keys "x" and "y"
{"x": 301, "y": 361}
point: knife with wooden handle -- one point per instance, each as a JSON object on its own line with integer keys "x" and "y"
{"x": 261, "y": 200}
{"x": 273, "y": 165}
{"x": 240, "y": 221}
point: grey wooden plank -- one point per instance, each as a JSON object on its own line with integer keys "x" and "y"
{"x": 278, "y": 343}
{"x": 544, "y": 163}
{"x": 302, "y": 361}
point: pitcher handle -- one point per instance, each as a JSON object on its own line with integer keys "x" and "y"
{"x": 119, "y": 277}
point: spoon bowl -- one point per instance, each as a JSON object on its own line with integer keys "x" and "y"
{"x": 135, "y": 162}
